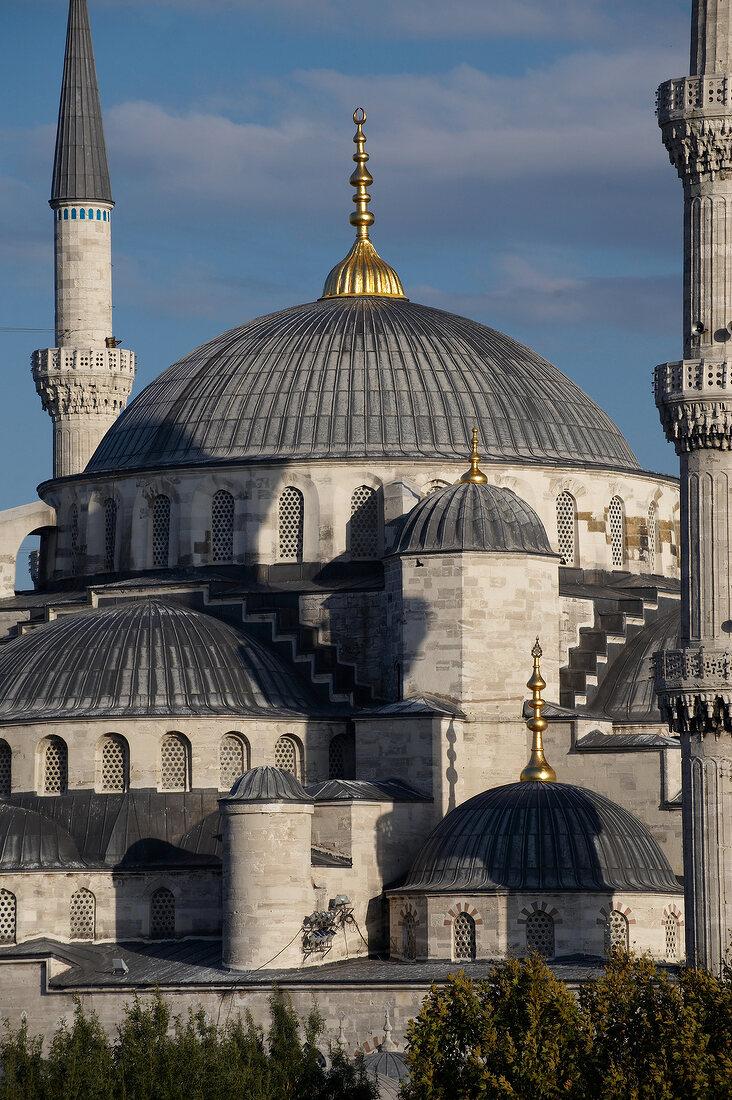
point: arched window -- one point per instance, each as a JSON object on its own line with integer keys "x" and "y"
{"x": 292, "y": 511}
{"x": 6, "y": 757}
{"x": 409, "y": 937}
{"x": 8, "y": 916}
{"x": 55, "y": 762}
{"x": 233, "y": 760}
{"x": 364, "y": 524}
{"x": 82, "y": 214}
{"x": 287, "y": 756}
{"x": 82, "y": 915}
{"x": 222, "y": 527}
{"x": 110, "y": 532}
{"x": 161, "y": 531}
{"x": 672, "y": 937}
{"x": 174, "y": 763}
{"x": 341, "y": 757}
{"x": 616, "y": 931}
{"x": 540, "y": 934}
{"x": 567, "y": 528}
{"x": 463, "y": 937}
{"x": 652, "y": 537}
{"x": 616, "y": 520}
{"x": 115, "y": 765}
{"x": 162, "y": 915}
{"x": 74, "y": 539}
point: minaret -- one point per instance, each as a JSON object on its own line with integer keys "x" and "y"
{"x": 694, "y": 398}
{"x": 83, "y": 382}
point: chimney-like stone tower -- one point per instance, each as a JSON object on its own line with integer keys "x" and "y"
{"x": 83, "y": 382}
{"x": 694, "y": 398}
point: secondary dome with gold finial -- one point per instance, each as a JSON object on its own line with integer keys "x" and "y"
{"x": 362, "y": 271}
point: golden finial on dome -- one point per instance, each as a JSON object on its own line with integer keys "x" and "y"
{"x": 362, "y": 271}
{"x": 474, "y": 474}
{"x": 537, "y": 770}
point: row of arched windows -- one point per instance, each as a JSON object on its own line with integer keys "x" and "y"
{"x": 568, "y": 535}
{"x": 83, "y": 214}
{"x": 83, "y": 915}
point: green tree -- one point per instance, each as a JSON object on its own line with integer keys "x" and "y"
{"x": 21, "y": 1060}
{"x": 79, "y": 1065}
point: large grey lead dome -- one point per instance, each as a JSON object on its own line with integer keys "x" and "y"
{"x": 363, "y": 377}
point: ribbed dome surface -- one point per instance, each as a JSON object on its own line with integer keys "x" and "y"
{"x": 469, "y": 516}
{"x": 31, "y": 841}
{"x": 146, "y": 657}
{"x": 267, "y": 784}
{"x": 627, "y": 692}
{"x": 358, "y": 378}
{"x": 541, "y": 836}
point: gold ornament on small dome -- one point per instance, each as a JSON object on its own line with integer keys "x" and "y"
{"x": 537, "y": 770}
{"x": 362, "y": 271}
{"x": 474, "y": 474}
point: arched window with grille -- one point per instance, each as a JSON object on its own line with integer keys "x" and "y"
{"x": 291, "y": 519}
{"x": 175, "y": 763}
{"x": 409, "y": 936}
{"x": 364, "y": 523}
{"x": 540, "y": 934}
{"x": 672, "y": 937}
{"x": 55, "y": 766}
{"x": 114, "y": 763}
{"x": 82, "y": 915}
{"x": 222, "y": 527}
{"x": 567, "y": 528}
{"x": 6, "y": 777}
{"x": 652, "y": 536}
{"x": 110, "y": 533}
{"x": 233, "y": 759}
{"x": 616, "y": 932}
{"x": 162, "y": 914}
{"x": 616, "y": 521}
{"x": 341, "y": 757}
{"x": 161, "y": 531}
{"x": 463, "y": 937}
{"x": 287, "y": 756}
{"x": 8, "y": 916}
{"x": 74, "y": 539}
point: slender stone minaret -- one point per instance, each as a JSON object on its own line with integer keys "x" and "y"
{"x": 83, "y": 382}
{"x": 694, "y": 398}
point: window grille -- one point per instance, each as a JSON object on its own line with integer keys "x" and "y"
{"x": 6, "y": 757}
{"x": 292, "y": 510}
{"x": 110, "y": 533}
{"x": 161, "y": 532}
{"x": 463, "y": 932}
{"x": 82, "y": 915}
{"x": 617, "y": 531}
{"x": 540, "y": 934}
{"x": 652, "y": 535}
{"x": 341, "y": 763}
{"x": 286, "y": 756}
{"x": 672, "y": 937}
{"x": 364, "y": 523}
{"x": 566, "y": 527}
{"x": 232, "y": 760}
{"x": 8, "y": 916}
{"x": 162, "y": 914}
{"x": 174, "y": 763}
{"x": 55, "y": 766}
{"x": 74, "y": 539}
{"x": 616, "y": 931}
{"x": 222, "y": 527}
{"x": 114, "y": 763}
{"x": 409, "y": 937}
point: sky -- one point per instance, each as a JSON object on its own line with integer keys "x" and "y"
{"x": 519, "y": 178}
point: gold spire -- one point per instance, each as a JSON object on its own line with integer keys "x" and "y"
{"x": 474, "y": 474}
{"x": 537, "y": 770}
{"x": 362, "y": 271}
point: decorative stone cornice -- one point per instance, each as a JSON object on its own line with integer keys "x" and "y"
{"x": 694, "y": 687}
{"x": 695, "y": 116}
{"x": 83, "y": 380}
{"x": 694, "y": 400}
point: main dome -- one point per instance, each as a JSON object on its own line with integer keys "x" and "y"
{"x": 360, "y": 378}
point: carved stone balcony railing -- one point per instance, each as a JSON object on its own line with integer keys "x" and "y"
{"x": 694, "y": 399}
{"x": 694, "y": 687}
{"x": 106, "y": 360}
{"x": 693, "y": 93}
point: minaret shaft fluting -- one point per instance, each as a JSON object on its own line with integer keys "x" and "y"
{"x": 694, "y": 399}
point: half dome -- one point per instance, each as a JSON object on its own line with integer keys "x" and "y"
{"x": 540, "y": 836}
{"x": 361, "y": 378}
{"x": 627, "y": 693}
{"x": 469, "y": 516}
{"x": 31, "y": 841}
{"x": 145, "y": 657}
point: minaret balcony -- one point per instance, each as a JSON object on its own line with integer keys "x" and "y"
{"x": 84, "y": 360}
{"x": 694, "y": 400}
{"x": 694, "y": 688}
{"x": 697, "y": 95}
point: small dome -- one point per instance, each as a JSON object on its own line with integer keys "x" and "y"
{"x": 31, "y": 841}
{"x": 471, "y": 516}
{"x": 540, "y": 836}
{"x": 627, "y": 693}
{"x": 145, "y": 657}
{"x": 267, "y": 785}
{"x": 387, "y": 1063}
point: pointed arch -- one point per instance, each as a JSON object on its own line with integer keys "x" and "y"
{"x": 291, "y": 524}
{"x": 363, "y": 525}
{"x": 161, "y": 531}
{"x": 222, "y": 527}
{"x": 616, "y": 523}
{"x": 463, "y": 937}
{"x": 82, "y": 915}
{"x": 566, "y": 508}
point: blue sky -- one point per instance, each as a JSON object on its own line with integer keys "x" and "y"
{"x": 519, "y": 178}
